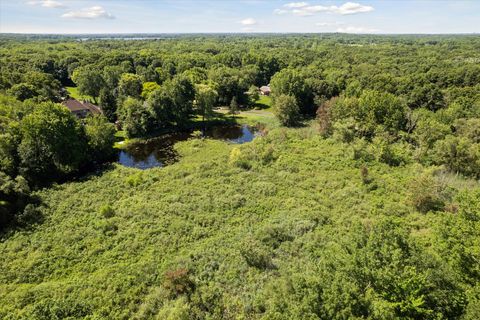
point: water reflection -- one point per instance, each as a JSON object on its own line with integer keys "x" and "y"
{"x": 159, "y": 152}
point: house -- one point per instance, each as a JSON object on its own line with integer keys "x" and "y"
{"x": 81, "y": 109}
{"x": 265, "y": 90}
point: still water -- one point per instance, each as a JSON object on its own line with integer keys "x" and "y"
{"x": 159, "y": 152}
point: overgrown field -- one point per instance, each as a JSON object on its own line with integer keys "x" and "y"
{"x": 290, "y": 226}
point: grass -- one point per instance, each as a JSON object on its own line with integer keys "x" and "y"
{"x": 264, "y": 103}
{"x": 73, "y": 92}
{"x": 240, "y": 220}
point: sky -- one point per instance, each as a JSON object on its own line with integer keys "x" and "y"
{"x": 238, "y": 16}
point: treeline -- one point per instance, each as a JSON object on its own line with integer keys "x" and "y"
{"x": 41, "y": 143}
{"x": 402, "y": 96}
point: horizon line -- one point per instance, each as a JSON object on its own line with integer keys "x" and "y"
{"x": 225, "y": 33}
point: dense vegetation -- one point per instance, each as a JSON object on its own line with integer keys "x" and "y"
{"x": 369, "y": 207}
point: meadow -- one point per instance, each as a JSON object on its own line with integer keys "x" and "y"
{"x": 359, "y": 199}
{"x": 288, "y": 226}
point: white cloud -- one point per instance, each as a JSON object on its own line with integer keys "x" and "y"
{"x": 47, "y": 3}
{"x": 303, "y": 9}
{"x": 353, "y": 8}
{"x": 248, "y": 22}
{"x": 329, "y": 24}
{"x": 295, "y": 5}
{"x": 354, "y": 29}
{"x": 96, "y": 12}
{"x": 280, "y": 11}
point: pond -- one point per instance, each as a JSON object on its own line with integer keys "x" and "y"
{"x": 159, "y": 152}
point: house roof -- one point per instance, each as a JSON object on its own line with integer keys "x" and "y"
{"x": 265, "y": 88}
{"x": 74, "y": 105}
{"x": 93, "y": 108}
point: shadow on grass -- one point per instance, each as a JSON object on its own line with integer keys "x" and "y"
{"x": 260, "y": 106}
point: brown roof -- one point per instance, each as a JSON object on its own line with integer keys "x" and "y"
{"x": 74, "y": 105}
{"x": 93, "y": 108}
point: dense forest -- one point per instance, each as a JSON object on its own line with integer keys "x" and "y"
{"x": 359, "y": 200}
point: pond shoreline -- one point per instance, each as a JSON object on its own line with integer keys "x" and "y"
{"x": 159, "y": 151}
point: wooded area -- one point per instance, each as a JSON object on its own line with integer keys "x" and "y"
{"x": 360, "y": 200}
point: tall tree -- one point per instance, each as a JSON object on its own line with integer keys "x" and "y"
{"x": 52, "y": 145}
{"x": 286, "y": 110}
{"x": 89, "y": 81}
{"x": 130, "y": 85}
{"x": 205, "y": 98}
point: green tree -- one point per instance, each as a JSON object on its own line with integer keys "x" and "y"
{"x": 108, "y": 104}
{"x": 46, "y": 86}
{"x": 233, "y": 107}
{"x": 100, "y": 137}
{"x": 286, "y": 110}
{"x": 135, "y": 117}
{"x": 229, "y": 84}
{"x": 291, "y": 82}
{"x": 205, "y": 98}
{"x": 88, "y": 80}
{"x": 130, "y": 85}
{"x": 162, "y": 108}
{"x": 378, "y": 108}
{"x": 52, "y": 145}
{"x": 148, "y": 88}
{"x": 426, "y": 96}
{"x": 23, "y": 91}
{"x": 253, "y": 94}
{"x": 182, "y": 93}
{"x": 14, "y": 196}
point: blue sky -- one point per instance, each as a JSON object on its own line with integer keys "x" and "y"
{"x": 184, "y": 16}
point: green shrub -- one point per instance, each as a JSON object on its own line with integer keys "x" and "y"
{"x": 238, "y": 159}
{"x": 256, "y": 254}
{"x": 427, "y": 193}
{"x": 106, "y": 211}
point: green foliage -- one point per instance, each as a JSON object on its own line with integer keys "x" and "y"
{"x": 290, "y": 82}
{"x": 148, "y": 88}
{"x": 130, "y": 85}
{"x": 230, "y": 84}
{"x": 52, "y": 143}
{"x": 88, "y": 80}
{"x": 107, "y": 211}
{"x": 427, "y": 96}
{"x": 233, "y": 106}
{"x": 317, "y": 245}
{"x": 427, "y": 193}
{"x": 205, "y": 99}
{"x": 375, "y": 108}
{"x": 100, "y": 138}
{"x": 294, "y": 225}
{"x": 459, "y": 154}
{"x": 286, "y": 110}
{"x": 108, "y": 104}
{"x": 135, "y": 117}
{"x": 177, "y": 282}
{"x": 23, "y": 91}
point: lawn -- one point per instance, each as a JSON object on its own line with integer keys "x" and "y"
{"x": 264, "y": 102}
{"x": 73, "y": 92}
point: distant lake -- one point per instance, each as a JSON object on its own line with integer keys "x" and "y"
{"x": 159, "y": 151}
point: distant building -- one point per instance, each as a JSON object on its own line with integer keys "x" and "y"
{"x": 81, "y": 109}
{"x": 265, "y": 90}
